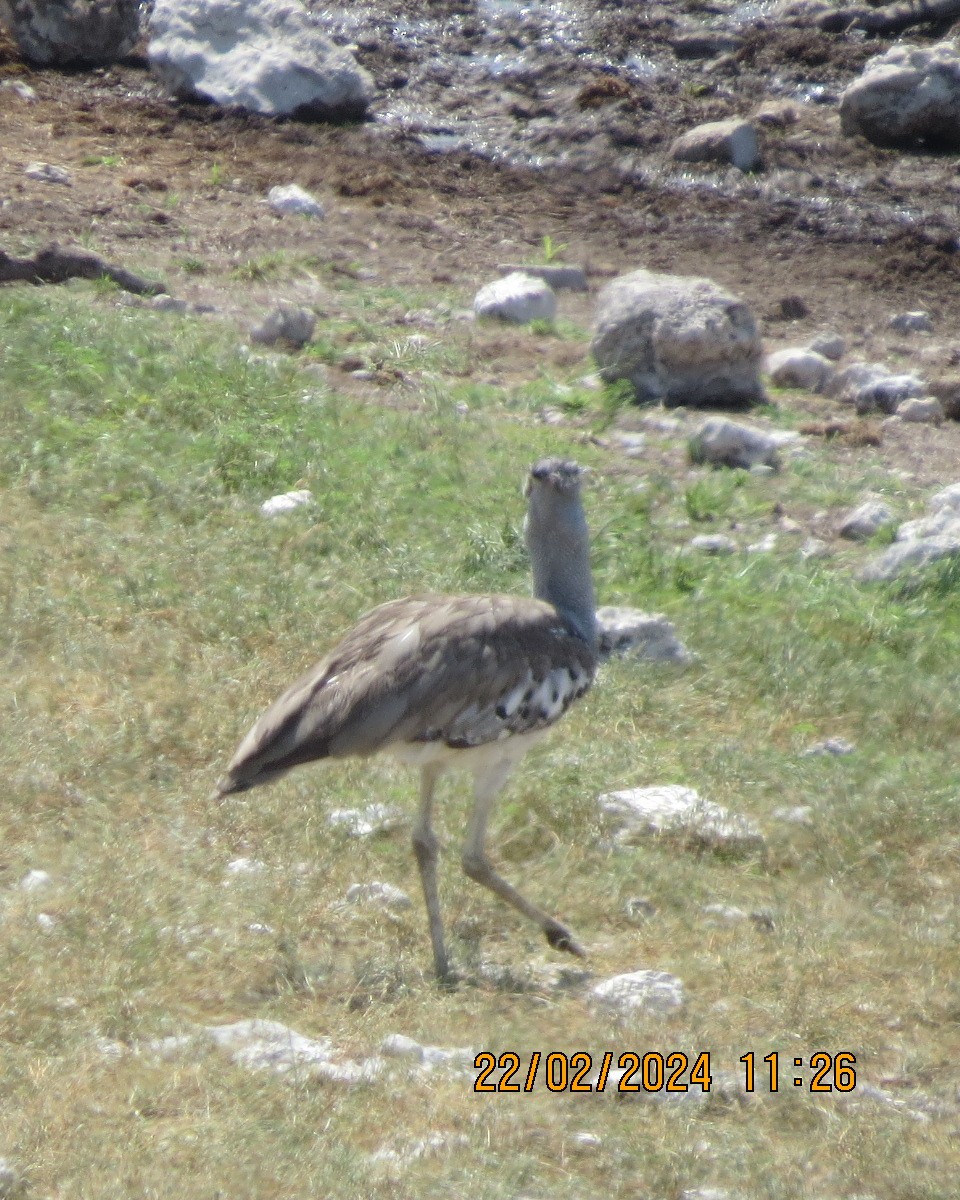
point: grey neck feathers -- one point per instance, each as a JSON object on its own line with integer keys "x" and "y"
{"x": 558, "y": 543}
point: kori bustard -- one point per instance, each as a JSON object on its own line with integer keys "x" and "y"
{"x": 452, "y": 682}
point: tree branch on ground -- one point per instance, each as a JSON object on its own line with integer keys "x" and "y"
{"x": 54, "y": 264}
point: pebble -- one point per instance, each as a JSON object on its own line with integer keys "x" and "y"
{"x": 636, "y": 813}
{"x": 48, "y": 173}
{"x": 865, "y": 521}
{"x": 35, "y": 880}
{"x": 291, "y": 198}
{"x": 713, "y": 543}
{"x": 648, "y": 636}
{"x": 636, "y": 993}
{"x": 911, "y": 322}
{"x": 367, "y": 822}
{"x": 834, "y": 745}
{"x": 286, "y": 502}
{"x": 383, "y": 895}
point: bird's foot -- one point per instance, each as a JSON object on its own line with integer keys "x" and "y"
{"x": 560, "y": 938}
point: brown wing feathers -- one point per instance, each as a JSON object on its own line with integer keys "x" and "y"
{"x": 465, "y": 670}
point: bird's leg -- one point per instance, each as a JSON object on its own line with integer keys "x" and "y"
{"x": 478, "y": 867}
{"x": 425, "y": 849}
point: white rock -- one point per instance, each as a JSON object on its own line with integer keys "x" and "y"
{"x": 924, "y": 410}
{"x": 767, "y": 544}
{"x": 721, "y": 442}
{"x": 46, "y": 922}
{"x": 887, "y": 394}
{"x": 909, "y": 96}
{"x": 911, "y": 322}
{"x": 902, "y": 556}
{"x": 286, "y": 502}
{"x": 800, "y": 369}
{"x": 367, "y": 822}
{"x": 943, "y": 520}
{"x": 519, "y": 298}
{"x": 648, "y": 636}
{"x": 680, "y": 339}
{"x": 639, "y": 909}
{"x": 838, "y": 747}
{"x": 48, "y": 173}
{"x": 245, "y": 866}
{"x": 560, "y": 276}
{"x": 53, "y": 34}
{"x": 12, "y": 1183}
{"x": 25, "y": 92}
{"x": 285, "y": 323}
{"x": 796, "y": 814}
{"x": 713, "y": 543}
{"x": 815, "y": 547}
{"x": 638, "y": 993}
{"x": 949, "y": 497}
{"x": 865, "y": 521}
{"x": 398, "y": 1045}
{"x": 35, "y": 881}
{"x": 847, "y": 382}
{"x": 672, "y": 809}
{"x": 165, "y": 303}
{"x": 830, "y": 345}
{"x": 270, "y": 1046}
{"x": 732, "y": 141}
{"x": 381, "y": 895}
{"x": 723, "y": 914}
{"x": 291, "y": 198}
{"x": 268, "y": 56}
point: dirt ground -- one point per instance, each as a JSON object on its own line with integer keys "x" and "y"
{"x": 176, "y": 191}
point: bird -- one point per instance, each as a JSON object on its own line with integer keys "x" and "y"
{"x": 452, "y": 682}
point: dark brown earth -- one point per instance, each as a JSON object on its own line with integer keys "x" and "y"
{"x": 177, "y": 191}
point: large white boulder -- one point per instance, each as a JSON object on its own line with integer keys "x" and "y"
{"x": 680, "y": 339}
{"x": 268, "y": 56}
{"x": 55, "y": 32}
{"x": 909, "y": 96}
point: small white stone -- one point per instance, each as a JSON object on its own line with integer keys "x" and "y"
{"x": 286, "y": 502}
{"x": 46, "y": 922}
{"x": 517, "y": 298}
{"x": 291, "y": 198}
{"x": 833, "y": 746}
{"x": 726, "y": 443}
{"x": 245, "y": 866}
{"x": 865, "y": 521}
{"x": 35, "y": 881}
{"x": 911, "y": 322}
{"x": 815, "y": 547}
{"x": 382, "y": 895}
{"x": 949, "y": 497}
{"x": 797, "y": 814}
{"x": 649, "y": 636}
{"x": 713, "y": 543}
{"x": 924, "y": 410}
{"x": 672, "y": 809}
{"x": 165, "y": 303}
{"x": 367, "y": 822}
{"x": 723, "y": 914}
{"x": 830, "y": 345}
{"x": 799, "y": 369}
{"x": 47, "y": 173}
{"x": 398, "y": 1045}
{"x": 766, "y": 544}
{"x": 639, "y": 992}
{"x": 583, "y": 1142}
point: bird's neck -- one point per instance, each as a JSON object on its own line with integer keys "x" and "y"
{"x": 560, "y": 561}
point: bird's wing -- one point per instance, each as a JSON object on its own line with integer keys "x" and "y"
{"x": 464, "y": 670}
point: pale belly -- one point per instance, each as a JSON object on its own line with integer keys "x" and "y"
{"x": 505, "y": 754}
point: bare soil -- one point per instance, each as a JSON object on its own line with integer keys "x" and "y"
{"x": 177, "y": 191}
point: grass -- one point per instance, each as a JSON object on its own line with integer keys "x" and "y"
{"x": 150, "y": 611}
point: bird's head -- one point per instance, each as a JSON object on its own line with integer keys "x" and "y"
{"x": 558, "y": 474}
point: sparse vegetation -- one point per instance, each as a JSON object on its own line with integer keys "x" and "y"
{"x": 150, "y": 611}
